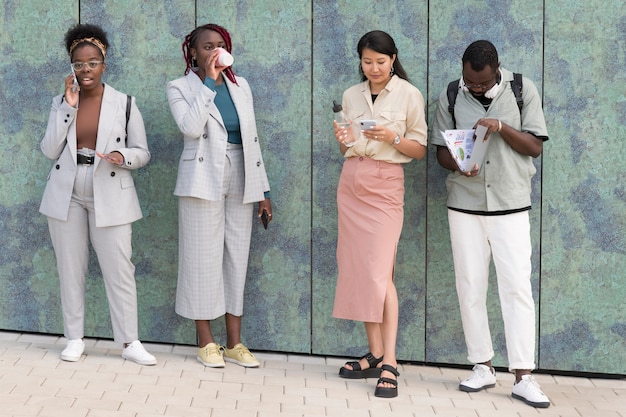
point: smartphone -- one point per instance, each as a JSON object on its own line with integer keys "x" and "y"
{"x": 264, "y": 219}
{"x": 75, "y": 86}
{"x": 367, "y": 124}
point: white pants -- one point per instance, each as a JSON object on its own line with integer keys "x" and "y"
{"x": 112, "y": 245}
{"x": 475, "y": 240}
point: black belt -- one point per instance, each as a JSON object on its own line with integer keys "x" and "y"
{"x": 84, "y": 159}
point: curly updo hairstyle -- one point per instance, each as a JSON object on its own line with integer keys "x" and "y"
{"x": 86, "y": 33}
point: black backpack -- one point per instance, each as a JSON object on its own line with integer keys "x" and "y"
{"x": 516, "y": 86}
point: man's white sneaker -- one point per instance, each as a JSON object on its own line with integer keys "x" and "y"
{"x": 529, "y": 391}
{"x": 135, "y": 352}
{"x": 482, "y": 377}
{"x": 73, "y": 351}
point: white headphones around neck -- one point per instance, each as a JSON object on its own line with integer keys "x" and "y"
{"x": 491, "y": 93}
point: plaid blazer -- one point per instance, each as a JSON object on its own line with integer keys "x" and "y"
{"x": 115, "y": 198}
{"x": 202, "y": 162}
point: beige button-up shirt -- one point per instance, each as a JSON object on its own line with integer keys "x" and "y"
{"x": 504, "y": 180}
{"x": 399, "y": 107}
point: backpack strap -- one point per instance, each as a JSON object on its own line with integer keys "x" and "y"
{"x": 516, "y": 86}
{"x": 453, "y": 91}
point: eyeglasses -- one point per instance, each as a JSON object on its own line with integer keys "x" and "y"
{"x": 79, "y": 66}
{"x": 482, "y": 86}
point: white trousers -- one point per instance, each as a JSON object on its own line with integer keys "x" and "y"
{"x": 112, "y": 245}
{"x": 475, "y": 240}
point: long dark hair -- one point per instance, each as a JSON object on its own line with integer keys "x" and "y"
{"x": 191, "y": 41}
{"x": 383, "y": 43}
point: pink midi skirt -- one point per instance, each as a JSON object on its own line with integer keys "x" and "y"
{"x": 370, "y": 204}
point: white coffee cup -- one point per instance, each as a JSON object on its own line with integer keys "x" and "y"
{"x": 224, "y": 59}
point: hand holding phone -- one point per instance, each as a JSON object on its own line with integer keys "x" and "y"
{"x": 264, "y": 219}
{"x": 367, "y": 124}
{"x": 75, "y": 86}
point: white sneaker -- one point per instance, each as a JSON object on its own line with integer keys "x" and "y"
{"x": 73, "y": 351}
{"x": 482, "y": 377}
{"x": 529, "y": 391}
{"x": 135, "y": 352}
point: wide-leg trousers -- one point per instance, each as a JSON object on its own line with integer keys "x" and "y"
{"x": 213, "y": 247}
{"x": 113, "y": 247}
{"x": 475, "y": 240}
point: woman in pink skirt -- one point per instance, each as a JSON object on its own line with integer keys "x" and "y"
{"x": 370, "y": 200}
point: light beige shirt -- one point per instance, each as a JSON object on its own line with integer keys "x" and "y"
{"x": 399, "y": 107}
{"x": 504, "y": 180}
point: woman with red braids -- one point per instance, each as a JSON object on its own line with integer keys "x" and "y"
{"x": 221, "y": 175}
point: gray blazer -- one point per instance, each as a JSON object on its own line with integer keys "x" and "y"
{"x": 115, "y": 198}
{"x": 202, "y": 162}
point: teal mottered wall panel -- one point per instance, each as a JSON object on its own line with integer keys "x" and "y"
{"x": 337, "y": 28}
{"x": 135, "y": 48}
{"x": 145, "y": 47}
{"x": 298, "y": 57}
{"x": 31, "y": 73}
{"x": 275, "y": 58}
{"x": 516, "y": 29}
{"x": 583, "y": 320}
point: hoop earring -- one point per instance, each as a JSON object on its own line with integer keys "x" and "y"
{"x": 392, "y": 70}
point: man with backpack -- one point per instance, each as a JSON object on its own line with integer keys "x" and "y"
{"x": 488, "y": 212}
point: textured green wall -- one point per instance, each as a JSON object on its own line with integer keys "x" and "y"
{"x": 336, "y": 31}
{"x": 298, "y": 57}
{"x": 583, "y": 268}
{"x": 520, "y": 47}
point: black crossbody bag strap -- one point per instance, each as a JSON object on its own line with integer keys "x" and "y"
{"x": 128, "y": 104}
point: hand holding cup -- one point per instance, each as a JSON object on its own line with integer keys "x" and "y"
{"x": 224, "y": 58}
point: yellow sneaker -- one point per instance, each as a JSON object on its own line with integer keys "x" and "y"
{"x": 240, "y": 355}
{"x": 211, "y": 356}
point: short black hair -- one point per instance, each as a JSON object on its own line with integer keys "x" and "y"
{"x": 85, "y": 30}
{"x": 480, "y": 54}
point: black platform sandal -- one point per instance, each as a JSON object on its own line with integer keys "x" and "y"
{"x": 356, "y": 372}
{"x": 385, "y": 392}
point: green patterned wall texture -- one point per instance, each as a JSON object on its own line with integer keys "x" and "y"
{"x": 336, "y": 31}
{"x": 583, "y": 319}
{"x": 298, "y": 57}
{"x": 520, "y": 47}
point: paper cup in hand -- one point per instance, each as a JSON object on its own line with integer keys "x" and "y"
{"x": 224, "y": 59}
